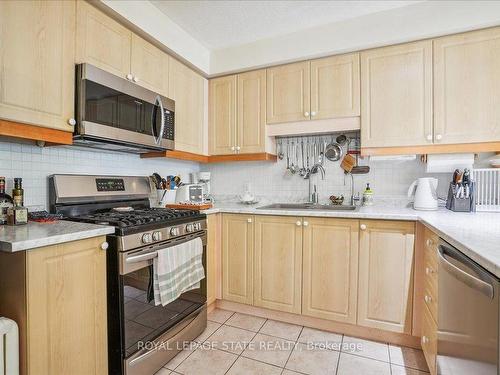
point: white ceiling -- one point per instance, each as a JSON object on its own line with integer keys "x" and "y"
{"x": 221, "y": 24}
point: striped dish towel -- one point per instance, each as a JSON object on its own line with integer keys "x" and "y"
{"x": 176, "y": 270}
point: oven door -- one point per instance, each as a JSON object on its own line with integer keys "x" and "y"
{"x": 143, "y": 321}
{"x": 114, "y": 112}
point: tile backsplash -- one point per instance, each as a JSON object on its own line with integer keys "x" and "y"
{"x": 272, "y": 181}
{"x": 34, "y": 164}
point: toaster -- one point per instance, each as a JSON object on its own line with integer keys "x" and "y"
{"x": 189, "y": 193}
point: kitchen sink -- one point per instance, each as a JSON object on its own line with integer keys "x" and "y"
{"x": 306, "y": 206}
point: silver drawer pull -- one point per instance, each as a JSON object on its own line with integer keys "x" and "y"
{"x": 142, "y": 257}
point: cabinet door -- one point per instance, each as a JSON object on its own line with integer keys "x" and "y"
{"x": 37, "y": 62}
{"x": 101, "y": 41}
{"x": 288, "y": 93}
{"x": 330, "y": 276}
{"x": 222, "y": 115}
{"x": 237, "y": 258}
{"x": 396, "y": 95}
{"x": 467, "y": 87}
{"x": 335, "y": 87}
{"x": 149, "y": 66}
{"x": 278, "y": 263}
{"x": 251, "y": 123}
{"x": 187, "y": 88}
{"x": 213, "y": 243}
{"x": 385, "y": 275}
{"x": 66, "y": 296}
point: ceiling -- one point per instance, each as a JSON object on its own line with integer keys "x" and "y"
{"x": 222, "y": 24}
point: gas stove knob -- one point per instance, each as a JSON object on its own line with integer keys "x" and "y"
{"x": 197, "y": 226}
{"x": 174, "y": 232}
{"x": 147, "y": 238}
{"x": 189, "y": 228}
{"x": 156, "y": 236}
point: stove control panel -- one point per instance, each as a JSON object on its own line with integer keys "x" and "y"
{"x": 163, "y": 234}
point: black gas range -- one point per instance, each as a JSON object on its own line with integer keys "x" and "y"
{"x": 142, "y": 337}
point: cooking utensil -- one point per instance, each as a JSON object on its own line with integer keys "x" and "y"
{"x": 294, "y": 167}
{"x": 333, "y": 151}
{"x": 360, "y": 169}
{"x": 348, "y": 163}
{"x": 342, "y": 139}
{"x": 157, "y": 180}
{"x": 280, "y": 150}
{"x": 302, "y": 171}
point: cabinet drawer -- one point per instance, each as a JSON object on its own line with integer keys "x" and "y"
{"x": 429, "y": 340}
{"x": 430, "y": 299}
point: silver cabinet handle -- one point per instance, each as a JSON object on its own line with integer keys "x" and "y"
{"x": 439, "y": 137}
{"x": 362, "y": 227}
{"x": 129, "y": 77}
{"x": 135, "y": 79}
{"x": 306, "y": 114}
{"x": 306, "y": 223}
{"x": 429, "y": 137}
{"x": 72, "y": 122}
{"x": 104, "y": 246}
{"x": 427, "y": 299}
{"x": 313, "y": 113}
{"x": 429, "y": 242}
{"x": 428, "y": 270}
{"x": 298, "y": 223}
{"x": 249, "y": 220}
{"x": 238, "y": 148}
{"x": 425, "y": 339}
{"x": 233, "y": 148}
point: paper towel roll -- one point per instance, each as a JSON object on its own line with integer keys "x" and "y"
{"x": 447, "y": 163}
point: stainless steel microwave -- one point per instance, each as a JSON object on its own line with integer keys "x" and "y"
{"x": 113, "y": 113}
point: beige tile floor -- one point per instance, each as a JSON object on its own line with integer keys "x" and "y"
{"x": 239, "y": 344}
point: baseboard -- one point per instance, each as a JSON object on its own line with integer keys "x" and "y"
{"x": 323, "y": 324}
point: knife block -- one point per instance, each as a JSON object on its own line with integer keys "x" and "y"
{"x": 460, "y": 204}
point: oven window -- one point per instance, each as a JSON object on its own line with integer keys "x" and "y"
{"x": 143, "y": 320}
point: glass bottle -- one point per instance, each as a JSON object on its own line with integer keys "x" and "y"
{"x": 6, "y": 202}
{"x": 18, "y": 192}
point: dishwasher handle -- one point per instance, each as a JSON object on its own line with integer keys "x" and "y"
{"x": 467, "y": 278}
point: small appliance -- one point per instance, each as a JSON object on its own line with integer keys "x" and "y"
{"x": 113, "y": 113}
{"x": 189, "y": 193}
{"x": 425, "y": 193}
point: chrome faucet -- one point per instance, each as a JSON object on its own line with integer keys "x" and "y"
{"x": 313, "y": 196}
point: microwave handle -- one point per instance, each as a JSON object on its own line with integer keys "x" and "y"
{"x": 158, "y": 102}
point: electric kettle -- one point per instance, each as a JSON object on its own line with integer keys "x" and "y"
{"x": 425, "y": 193}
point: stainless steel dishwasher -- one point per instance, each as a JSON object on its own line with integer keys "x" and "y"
{"x": 468, "y": 308}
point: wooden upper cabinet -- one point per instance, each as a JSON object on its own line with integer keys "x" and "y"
{"x": 101, "y": 41}
{"x": 237, "y": 258}
{"x": 149, "y": 66}
{"x": 385, "y": 291}
{"x": 288, "y": 93}
{"x": 66, "y": 309}
{"x": 278, "y": 263}
{"x": 37, "y": 57}
{"x": 187, "y": 88}
{"x": 251, "y": 112}
{"x": 330, "y": 275}
{"x": 467, "y": 87}
{"x": 335, "y": 87}
{"x": 222, "y": 115}
{"x": 396, "y": 95}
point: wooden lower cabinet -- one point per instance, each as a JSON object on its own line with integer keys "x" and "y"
{"x": 330, "y": 274}
{"x": 57, "y": 295}
{"x": 429, "y": 339}
{"x": 237, "y": 258}
{"x": 278, "y": 263}
{"x": 213, "y": 244}
{"x": 385, "y": 291}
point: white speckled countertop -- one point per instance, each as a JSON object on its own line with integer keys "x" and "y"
{"x": 477, "y": 235}
{"x": 33, "y": 235}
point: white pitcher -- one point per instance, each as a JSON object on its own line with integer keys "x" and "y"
{"x": 425, "y": 193}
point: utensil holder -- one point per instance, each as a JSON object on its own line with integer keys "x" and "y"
{"x": 460, "y": 204}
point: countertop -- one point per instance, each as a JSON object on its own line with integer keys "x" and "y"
{"x": 33, "y": 235}
{"x": 477, "y": 235}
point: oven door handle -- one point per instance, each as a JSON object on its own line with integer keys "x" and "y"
{"x": 142, "y": 257}
{"x": 470, "y": 280}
